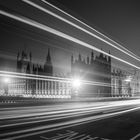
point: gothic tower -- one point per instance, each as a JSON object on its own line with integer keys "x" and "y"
{"x": 22, "y": 62}
{"x": 48, "y": 68}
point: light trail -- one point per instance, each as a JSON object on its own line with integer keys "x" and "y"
{"x": 45, "y": 78}
{"x": 87, "y": 26}
{"x": 53, "y": 117}
{"x": 80, "y": 122}
{"x": 59, "y": 117}
{"x": 32, "y": 75}
{"x": 32, "y": 111}
{"x": 53, "y": 107}
{"x": 60, "y": 125}
{"x": 58, "y": 33}
{"x": 78, "y": 27}
{"x": 63, "y": 115}
{"x": 33, "y": 78}
{"x": 51, "y": 78}
{"x": 14, "y": 113}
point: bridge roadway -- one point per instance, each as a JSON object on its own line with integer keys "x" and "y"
{"x": 44, "y": 121}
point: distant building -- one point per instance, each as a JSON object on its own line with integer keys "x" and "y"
{"x": 124, "y": 83}
{"x": 25, "y": 64}
{"x": 99, "y": 78}
{"x": 97, "y": 70}
{"x": 46, "y": 87}
{"x": 120, "y": 87}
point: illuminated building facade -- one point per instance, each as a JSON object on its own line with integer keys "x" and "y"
{"x": 124, "y": 83}
{"x": 121, "y": 85}
{"x": 25, "y": 64}
{"x": 37, "y": 88}
{"x": 105, "y": 81}
{"x": 96, "y": 69}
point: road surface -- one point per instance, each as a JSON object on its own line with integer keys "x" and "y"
{"x": 113, "y": 120}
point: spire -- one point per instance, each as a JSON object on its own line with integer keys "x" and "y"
{"x": 48, "y": 67}
{"x": 30, "y": 55}
{"x": 37, "y": 68}
{"x": 33, "y": 68}
{"x": 72, "y": 59}
{"x": 101, "y": 54}
{"x": 28, "y": 68}
{"x": 80, "y": 58}
{"x": 23, "y": 55}
{"x": 87, "y": 59}
{"x": 48, "y": 59}
{"x": 92, "y": 57}
{"x": 109, "y": 58}
{"x": 18, "y": 55}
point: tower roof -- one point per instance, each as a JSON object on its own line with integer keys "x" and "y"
{"x": 48, "y": 58}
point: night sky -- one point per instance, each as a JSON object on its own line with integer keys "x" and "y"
{"x": 118, "y": 19}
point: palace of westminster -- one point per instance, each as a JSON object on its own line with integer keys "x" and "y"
{"x": 103, "y": 80}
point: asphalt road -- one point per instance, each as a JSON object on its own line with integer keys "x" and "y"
{"x": 113, "y": 120}
{"x": 122, "y": 127}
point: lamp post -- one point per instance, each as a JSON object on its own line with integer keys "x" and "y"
{"x": 6, "y": 81}
{"x": 128, "y": 81}
{"x": 76, "y": 83}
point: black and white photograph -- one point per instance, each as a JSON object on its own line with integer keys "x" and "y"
{"x": 69, "y": 70}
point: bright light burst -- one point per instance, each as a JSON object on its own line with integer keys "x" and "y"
{"x": 6, "y": 79}
{"x": 76, "y": 83}
{"x": 128, "y": 79}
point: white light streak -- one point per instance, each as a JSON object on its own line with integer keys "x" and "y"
{"x": 6, "y": 79}
{"x": 33, "y": 78}
{"x": 76, "y": 83}
{"x": 87, "y": 26}
{"x": 57, "y": 109}
{"x": 78, "y": 27}
{"x": 58, "y": 33}
{"x": 60, "y": 125}
{"x": 45, "y": 78}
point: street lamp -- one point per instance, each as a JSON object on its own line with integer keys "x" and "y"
{"x": 6, "y": 81}
{"x": 76, "y": 83}
{"x": 128, "y": 79}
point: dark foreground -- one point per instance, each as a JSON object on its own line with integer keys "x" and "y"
{"x": 123, "y": 127}
{"x": 110, "y": 120}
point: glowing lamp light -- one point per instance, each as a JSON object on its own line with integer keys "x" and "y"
{"x": 6, "y": 79}
{"x": 128, "y": 79}
{"x": 76, "y": 83}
